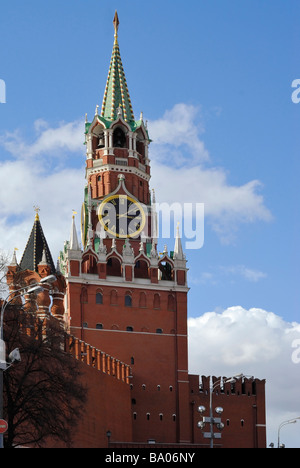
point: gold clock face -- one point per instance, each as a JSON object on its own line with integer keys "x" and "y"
{"x": 122, "y": 216}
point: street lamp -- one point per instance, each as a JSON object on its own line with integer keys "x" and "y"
{"x": 34, "y": 289}
{"x": 48, "y": 279}
{"x": 219, "y": 410}
{"x": 285, "y": 423}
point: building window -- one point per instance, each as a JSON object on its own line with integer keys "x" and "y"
{"x": 171, "y": 388}
{"x": 114, "y": 267}
{"x": 171, "y": 303}
{"x": 148, "y": 416}
{"x": 85, "y": 325}
{"x": 161, "y": 416}
{"x": 132, "y": 360}
{"x": 84, "y": 296}
{"x": 242, "y": 422}
{"x": 99, "y": 298}
{"x": 143, "y": 300}
{"x": 99, "y": 326}
{"x": 113, "y": 297}
{"x": 122, "y": 162}
{"x": 159, "y": 330}
{"x": 129, "y": 329}
{"x": 174, "y": 417}
{"x": 128, "y": 300}
{"x": 166, "y": 271}
{"x": 141, "y": 269}
{"x": 156, "y": 301}
{"x": 134, "y": 416}
{"x": 119, "y": 138}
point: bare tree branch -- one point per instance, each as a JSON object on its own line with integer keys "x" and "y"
{"x": 43, "y": 397}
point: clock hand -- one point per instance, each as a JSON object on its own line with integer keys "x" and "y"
{"x": 125, "y": 215}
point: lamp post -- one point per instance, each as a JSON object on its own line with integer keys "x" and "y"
{"x": 285, "y": 423}
{"x": 219, "y": 410}
{"x": 33, "y": 289}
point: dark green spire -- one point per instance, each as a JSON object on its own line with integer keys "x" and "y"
{"x": 35, "y": 249}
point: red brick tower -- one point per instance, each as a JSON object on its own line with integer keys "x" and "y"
{"x": 122, "y": 296}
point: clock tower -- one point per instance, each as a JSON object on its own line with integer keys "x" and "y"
{"x": 123, "y": 297}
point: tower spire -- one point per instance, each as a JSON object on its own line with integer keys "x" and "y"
{"x": 116, "y": 93}
{"x": 116, "y": 23}
{"x": 74, "y": 244}
{"x": 37, "y": 248}
{"x": 178, "y": 251}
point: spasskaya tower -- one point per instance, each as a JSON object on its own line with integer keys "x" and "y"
{"x": 122, "y": 296}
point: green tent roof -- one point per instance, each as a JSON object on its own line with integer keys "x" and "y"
{"x": 116, "y": 91}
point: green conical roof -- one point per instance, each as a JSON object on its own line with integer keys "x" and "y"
{"x": 116, "y": 92}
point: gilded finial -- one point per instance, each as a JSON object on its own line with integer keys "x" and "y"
{"x": 37, "y": 210}
{"x": 116, "y": 23}
{"x": 74, "y": 213}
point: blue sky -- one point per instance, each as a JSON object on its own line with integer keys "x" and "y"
{"x": 214, "y": 81}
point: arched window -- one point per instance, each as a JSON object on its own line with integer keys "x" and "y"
{"x": 114, "y": 267}
{"x": 99, "y": 298}
{"x": 89, "y": 265}
{"x": 156, "y": 301}
{"x": 171, "y": 303}
{"x": 143, "y": 300}
{"x": 119, "y": 138}
{"x": 141, "y": 269}
{"x": 166, "y": 271}
{"x": 113, "y": 297}
{"x": 84, "y": 296}
{"x": 128, "y": 300}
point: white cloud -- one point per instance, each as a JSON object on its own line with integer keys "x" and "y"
{"x": 180, "y": 175}
{"x": 232, "y": 273}
{"x": 254, "y": 342}
{"x": 247, "y": 273}
{"x": 53, "y": 183}
{"x": 177, "y": 128}
{"x": 65, "y": 137}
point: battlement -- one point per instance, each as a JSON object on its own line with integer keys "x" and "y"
{"x": 98, "y": 359}
{"x": 245, "y": 386}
